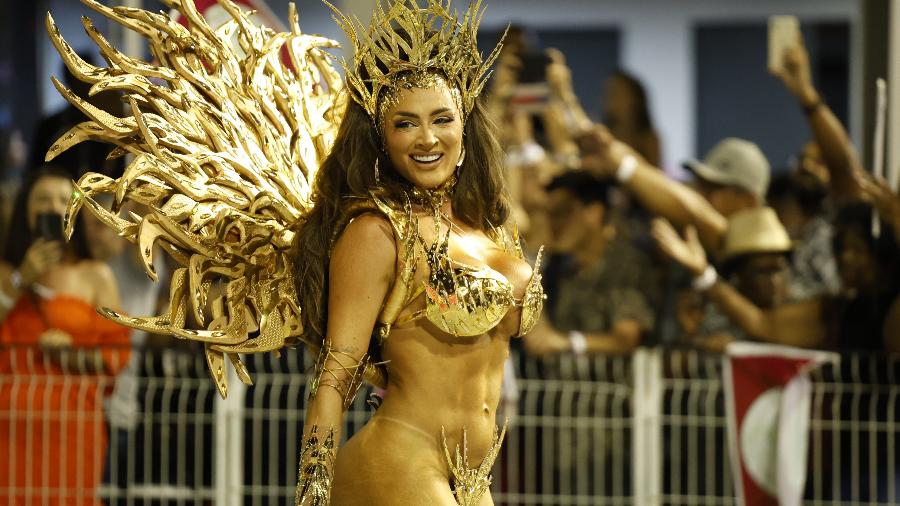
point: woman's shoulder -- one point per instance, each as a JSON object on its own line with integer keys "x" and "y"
{"x": 102, "y": 278}
{"x": 99, "y": 273}
{"x": 94, "y": 267}
{"x": 382, "y": 211}
{"x": 367, "y": 246}
{"x": 369, "y": 229}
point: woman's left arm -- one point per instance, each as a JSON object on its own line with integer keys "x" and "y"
{"x": 360, "y": 273}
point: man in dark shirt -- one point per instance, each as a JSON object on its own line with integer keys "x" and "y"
{"x": 595, "y": 281}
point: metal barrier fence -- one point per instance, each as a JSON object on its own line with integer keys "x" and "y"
{"x": 645, "y": 430}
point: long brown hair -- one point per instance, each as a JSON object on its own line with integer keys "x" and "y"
{"x": 348, "y": 173}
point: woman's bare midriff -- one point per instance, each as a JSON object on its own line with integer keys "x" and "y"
{"x": 451, "y": 384}
{"x": 437, "y": 384}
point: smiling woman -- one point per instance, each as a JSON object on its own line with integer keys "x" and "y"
{"x": 423, "y": 135}
{"x": 406, "y": 267}
{"x": 385, "y": 247}
{"x": 50, "y": 330}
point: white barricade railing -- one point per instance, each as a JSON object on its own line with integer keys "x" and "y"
{"x": 645, "y": 430}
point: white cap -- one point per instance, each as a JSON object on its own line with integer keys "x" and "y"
{"x": 735, "y": 162}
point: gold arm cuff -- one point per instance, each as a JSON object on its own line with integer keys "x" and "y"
{"x": 314, "y": 475}
{"x": 340, "y": 371}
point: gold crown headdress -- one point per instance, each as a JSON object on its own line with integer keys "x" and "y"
{"x": 407, "y": 40}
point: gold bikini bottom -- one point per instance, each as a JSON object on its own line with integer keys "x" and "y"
{"x": 469, "y": 484}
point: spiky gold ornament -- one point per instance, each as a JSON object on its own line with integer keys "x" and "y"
{"x": 226, "y": 143}
{"x": 405, "y": 45}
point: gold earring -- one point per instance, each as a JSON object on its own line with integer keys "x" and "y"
{"x": 377, "y": 174}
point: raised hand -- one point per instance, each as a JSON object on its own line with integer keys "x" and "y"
{"x": 795, "y": 73}
{"x": 686, "y": 250}
{"x": 506, "y": 75}
{"x": 559, "y": 76}
{"x": 40, "y": 257}
{"x": 602, "y": 154}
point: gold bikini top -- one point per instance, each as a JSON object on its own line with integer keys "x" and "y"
{"x": 460, "y": 299}
{"x": 467, "y": 301}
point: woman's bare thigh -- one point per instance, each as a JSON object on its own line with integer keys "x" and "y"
{"x": 391, "y": 463}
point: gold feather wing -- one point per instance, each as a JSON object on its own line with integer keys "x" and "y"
{"x": 223, "y": 142}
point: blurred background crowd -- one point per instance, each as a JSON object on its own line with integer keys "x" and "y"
{"x": 802, "y": 254}
{"x": 801, "y": 237}
{"x": 749, "y": 215}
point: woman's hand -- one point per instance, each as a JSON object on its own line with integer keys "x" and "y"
{"x": 687, "y": 251}
{"x": 506, "y": 76}
{"x": 559, "y": 76}
{"x": 40, "y": 257}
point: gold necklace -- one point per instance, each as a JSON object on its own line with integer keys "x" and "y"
{"x": 433, "y": 198}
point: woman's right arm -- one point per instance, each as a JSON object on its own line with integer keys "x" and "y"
{"x": 361, "y": 272}
{"x": 656, "y": 192}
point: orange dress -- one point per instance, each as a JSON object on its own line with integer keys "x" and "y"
{"x": 52, "y": 432}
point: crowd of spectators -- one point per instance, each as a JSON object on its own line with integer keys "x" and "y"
{"x": 635, "y": 258}
{"x": 739, "y": 252}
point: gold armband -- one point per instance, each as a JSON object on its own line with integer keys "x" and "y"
{"x": 340, "y": 371}
{"x": 314, "y": 476}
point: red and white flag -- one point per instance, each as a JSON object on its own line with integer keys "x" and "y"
{"x": 768, "y": 397}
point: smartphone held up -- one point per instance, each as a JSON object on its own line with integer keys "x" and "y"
{"x": 784, "y": 31}
{"x": 50, "y": 226}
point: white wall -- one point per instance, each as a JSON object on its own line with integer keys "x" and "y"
{"x": 657, "y": 47}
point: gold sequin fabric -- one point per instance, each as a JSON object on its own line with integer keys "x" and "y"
{"x": 461, "y": 300}
{"x": 467, "y": 301}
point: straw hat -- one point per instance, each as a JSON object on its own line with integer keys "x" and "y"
{"x": 755, "y": 230}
